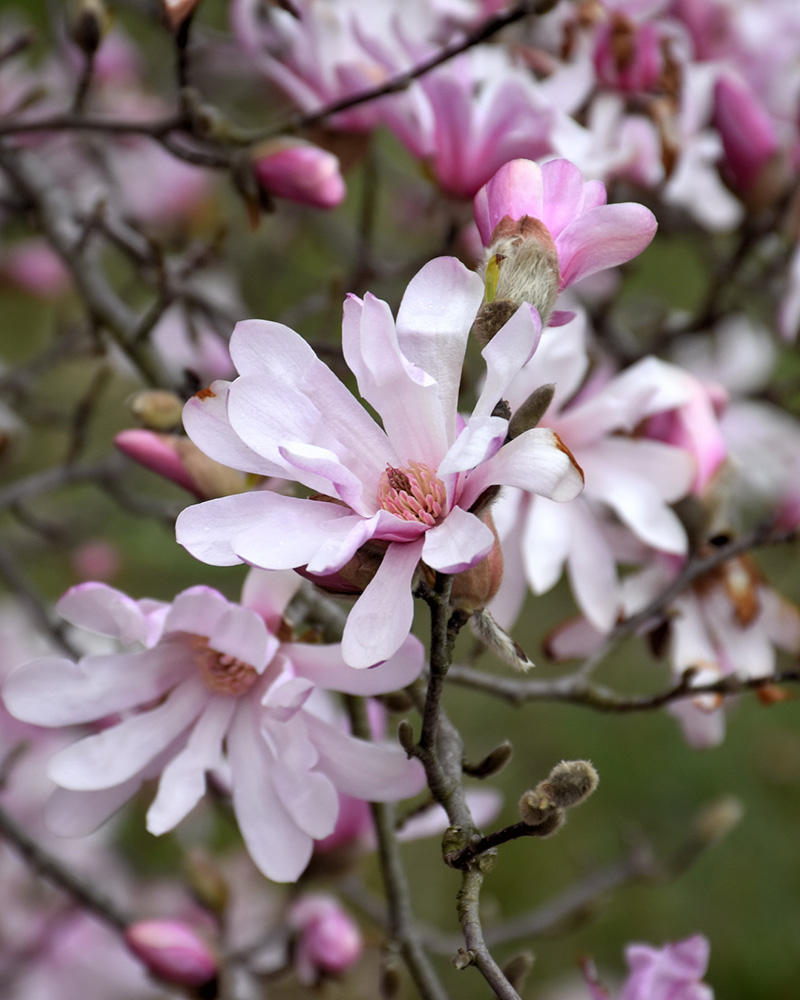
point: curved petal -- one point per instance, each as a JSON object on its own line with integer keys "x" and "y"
{"x": 205, "y": 419}
{"x": 545, "y": 544}
{"x": 591, "y": 567}
{"x": 515, "y": 190}
{"x": 183, "y": 780}
{"x": 325, "y": 667}
{"x": 460, "y": 541}
{"x": 120, "y": 752}
{"x": 53, "y": 691}
{"x": 535, "y": 461}
{"x": 308, "y": 796}
{"x": 279, "y": 848}
{"x": 372, "y": 771}
{"x": 381, "y": 618}
{"x": 562, "y": 195}
{"x": 480, "y": 439}
{"x": 77, "y": 814}
{"x": 268, "y": 593}
{"x": 604, "y": 237}
{"x": 196, "y": 611}
{"x": 243, "y": 635}
{"x": 277, "y": 528}
{"x": 506, "y": 353}
{"x": 105, "y": 610}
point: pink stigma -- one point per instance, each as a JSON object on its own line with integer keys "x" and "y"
{"x": 414, "y": 493}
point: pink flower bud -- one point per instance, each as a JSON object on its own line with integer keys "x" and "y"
{"x": 329, "y": 939}
{"x": 747, "y": 132}
{"x": 178, "y": 459}
{"x": 299, "y": 171}
{"x": 172, "y": 951}
{"x": 35, "y": 267}
{"x": 628, "y": 57}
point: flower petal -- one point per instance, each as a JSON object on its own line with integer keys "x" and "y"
{"x": 102, "y": 609}
{"x": 325, "y": 667}
{"x": 457, "y": 543}
{"x": 506, "y": 353}
{"x": 381, "y": 618}
{"x": 603, "y": 237}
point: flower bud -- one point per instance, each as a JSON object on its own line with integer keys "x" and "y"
{"x": 88, "y": 23}
{"x": 177, "y": 11}
{"x": 329, "y": 940}
{"x": 526, "y": 258}
{"x": 172, "y": 951}
{"x": 180, "y": 460}
{"x": 628, "y": 56}
{"x": 298, "y": 171}
{"x": 749, "y": 140}
{"x": 475, "y": 587}
{"x": 532, "y": 410}
{"x": 157, "y": 409}
{"x": 493, "y": 762}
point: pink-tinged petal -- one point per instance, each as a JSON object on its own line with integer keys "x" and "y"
{"x": 573, "y": 639}
{"x": 701, "y": 728}
{"x": 433, "y": 322}
{"x": 102, "y": 609}
{"x": 205, "y": 419}
{"x": 480, "y": 439}
{"x": 284, "y": 699}
{"x": 57, "y": 692}
{"x": 457, "y": 543}
{"x": 196, "y": 611}
{"x": 122, "y": 751}
{"x": 780, "y": 619}
{"x": 534, "y": 462}
{"x": 603, "y": 237}
{"x": 279, "y": 848}
{"x": 406, "y": 397}
{"x": 484, "y": 805}
{"x": 690, "y": 643}
{"x": 380, "y": 620}
{"x": 545, "y": 543}
{"x": 562, "y": 195}
{"x": 183, "y": 780}
{"x": 515, "y": 190}
{"x": 591, "y": 567}
{"x": 77, "y": 814}
{"x": 269, "y": 593}
{"x": 308, "y": 796}
{"x": 323, "y": 464}
{"x": 344, "y": 538}
{"x": 372, "y": 771}
{"x": 243, "y": 635}
{"x": 284, "y": 359}
{"x": 637, "y": 479}
{"x": 325, "y": 667}
{"x": 286, "y": 528}
{"x": 506, "y": 353}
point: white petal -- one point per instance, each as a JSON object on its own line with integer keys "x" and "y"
{"x": 506, "y": 353}
{"x": 102, "y": 609}
{"x": 325, "y": 667}
{"x": 457, "y": 543}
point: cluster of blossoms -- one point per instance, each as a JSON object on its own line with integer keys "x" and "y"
{"x": 572, "y": 452}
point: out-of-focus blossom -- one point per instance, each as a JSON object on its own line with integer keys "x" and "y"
{"x": 299, "y": 171}
{"x": 749, "y": 137}
{"x": 173, "y": 951}
{"x": 669, "y": 973}
{"x": 35, "y": 267}
{"x": 96, "y": 559}
{"x": 631, "y": 476}
{"x": 328, "y": 939}
{"x": 201, "y": 686}
{"x": 409, "y": 487}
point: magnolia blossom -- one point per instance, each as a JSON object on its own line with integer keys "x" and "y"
{"x": 669, "y": 973}
{"x": 588, "y": 235}
{"x": 201, "y": 686}
{"x": 633, "y": 477}
{"x": 408, "y": 487}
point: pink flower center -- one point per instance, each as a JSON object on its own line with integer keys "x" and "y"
{"x": 414, "y": 493}
{"x": 222, "y": 673}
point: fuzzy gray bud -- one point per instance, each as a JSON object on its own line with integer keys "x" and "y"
{"x": 492, "y": 763}
{"x": 532, "y": 410}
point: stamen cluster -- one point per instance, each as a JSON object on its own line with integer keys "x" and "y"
{"x": 414, "y": 493}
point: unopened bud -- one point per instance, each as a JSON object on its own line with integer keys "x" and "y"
{"x": 492, "y": 763}
{"x": 517, "y": 968}
{"x": 499, "y": 641}
{"x": 532, "y": 410}
{"x": 181, "y": 461}
{"x": 475, "y": 587}
{"x": 329, "y": 939}
{"x": 206, "y": 881}
{"x": 88, "y": 23}
{"x": 527, "y": 261}
{"x": 405, "y": 734}
{"x": 491, "y": 317}
{"x": 157, "y": 409}
{"x": 172, "y": 951}
{"x": 570, "y": 782}
{"x": 717, "y": 819}
{"x": 298, "y": 171}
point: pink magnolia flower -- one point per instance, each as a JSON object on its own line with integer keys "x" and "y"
{"x": 669, "y": 973}
{"x": 328, "y": 939}
{"x": 633, "y": 477}
{"x": 211, "y": 689}
{"x": 749, "y": 136}
{"x": 570, "y": 218}
{"x": 409, "y": 486}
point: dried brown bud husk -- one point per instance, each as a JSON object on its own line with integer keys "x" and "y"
{"x": 491, "y": 317}
{"x": 475, "y": 587}
{"x": 499, "y": 641}
{"x": 532, "y": 410}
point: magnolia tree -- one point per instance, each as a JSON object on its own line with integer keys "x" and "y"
{"x": 236, "y": 682}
